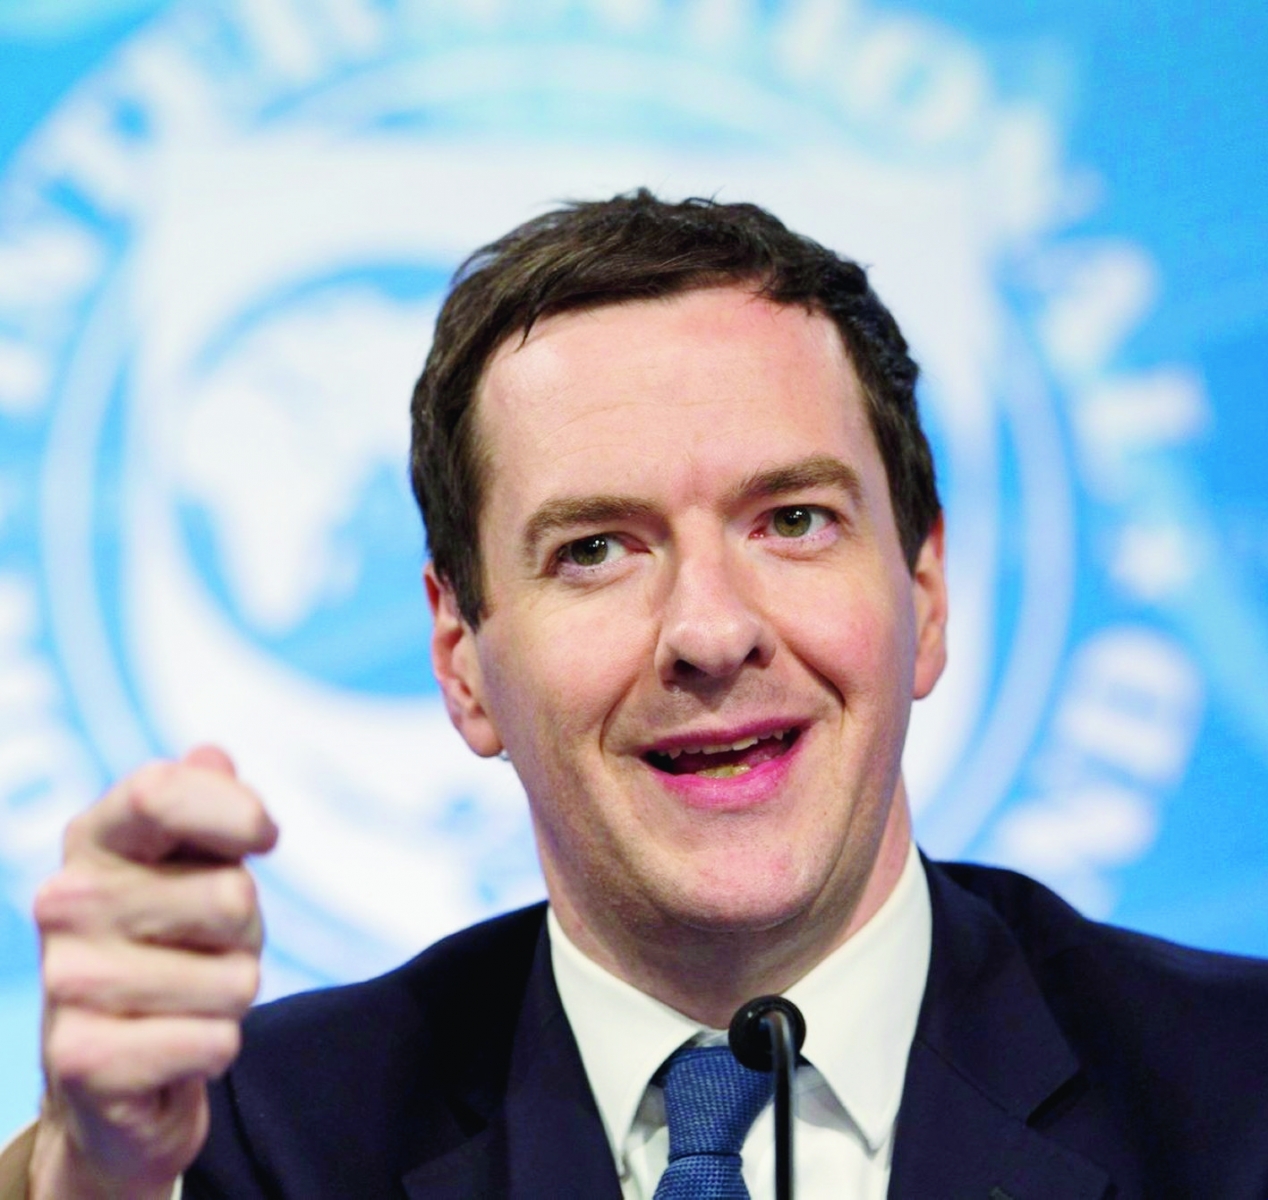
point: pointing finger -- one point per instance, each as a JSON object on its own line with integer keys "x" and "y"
{"x": 212, "y": 758}
{"x": 172, "y": 810}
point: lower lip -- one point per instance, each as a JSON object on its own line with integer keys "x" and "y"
{"x": 756, "y": 786}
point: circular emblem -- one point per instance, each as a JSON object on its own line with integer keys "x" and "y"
{"x": 219, "y": 262}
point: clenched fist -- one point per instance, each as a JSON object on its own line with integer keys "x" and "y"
{"x": 151, "y": 943}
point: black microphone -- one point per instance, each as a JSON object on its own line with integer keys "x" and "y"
{"x": 766, "y": 1034}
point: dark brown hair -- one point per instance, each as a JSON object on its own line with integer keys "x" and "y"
{"x": 637, "y": 247}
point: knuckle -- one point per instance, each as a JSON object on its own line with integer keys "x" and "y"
{"x": 257, "y": 825}
{"x": 62, "y": 899}
{"x": 265, "y": 830}
{"x": 71, "y": 1056}
{"x": 244, "y": 982}
{"x": 145, "y": 790}
{"x": 49, "y": 905}
{"x": 77, "y": 834}
{"x": 223, "y": 1040}
{"x": 236, "y": 899}
{"x": 63, "y": 980}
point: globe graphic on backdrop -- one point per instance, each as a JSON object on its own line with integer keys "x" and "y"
{"x": 302, "y": 401}
{"x": 268, "y": 546}
{"x": 223, "y": 246}
{"x": 232, "y": 552}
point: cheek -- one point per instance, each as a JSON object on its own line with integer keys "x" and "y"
{"x": 554, "y": 681}
{"x": 858, "y": 642}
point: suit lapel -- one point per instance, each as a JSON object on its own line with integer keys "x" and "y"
{"x": 987, "y": 1062}
{"x": 546, "y": 1140}
{"x": 988, "y": 1066}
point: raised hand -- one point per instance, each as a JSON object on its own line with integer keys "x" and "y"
{"x": 151, "y": 941}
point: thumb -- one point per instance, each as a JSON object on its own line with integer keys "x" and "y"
{"x": 212, "y": 758}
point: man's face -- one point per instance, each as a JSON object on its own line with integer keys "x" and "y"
{"x": 702, "y": 640}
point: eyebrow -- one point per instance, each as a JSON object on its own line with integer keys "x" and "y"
{"x": 818, "y": 471}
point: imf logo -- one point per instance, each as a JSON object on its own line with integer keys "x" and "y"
{"x": 219, "y": 261}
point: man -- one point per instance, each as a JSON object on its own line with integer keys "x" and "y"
{"x": 687, "y": 572}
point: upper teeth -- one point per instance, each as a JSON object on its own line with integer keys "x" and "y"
{"x": 723, "y": 747}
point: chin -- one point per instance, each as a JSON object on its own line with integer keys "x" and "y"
{"x": 740, "y": 909}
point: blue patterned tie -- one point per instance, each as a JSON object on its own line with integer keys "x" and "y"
{"x": 710, "y": 1104}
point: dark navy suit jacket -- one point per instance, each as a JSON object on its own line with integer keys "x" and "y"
{"x": 1054, "y": 1059}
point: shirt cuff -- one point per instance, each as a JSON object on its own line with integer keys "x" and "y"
{"x": 15, "y": 1166}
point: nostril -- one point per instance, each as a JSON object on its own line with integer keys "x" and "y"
{"x": 701, "y": 637}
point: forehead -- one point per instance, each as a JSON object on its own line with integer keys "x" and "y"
{"x": 665, "y": 392}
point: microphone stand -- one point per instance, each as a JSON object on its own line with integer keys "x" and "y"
{"x": 766, "y": 1035}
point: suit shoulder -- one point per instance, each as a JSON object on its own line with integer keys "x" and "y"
{"x": 1100, "y": 977}
{"x": 339, "y": 1091}
{"x": 1050, "y": 926}
{"x": 459, "y": 984}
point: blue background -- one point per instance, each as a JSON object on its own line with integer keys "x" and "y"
{"x": 1167, "y": 104}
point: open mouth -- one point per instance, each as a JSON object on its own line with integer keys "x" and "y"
{"x": 724, "y": 761}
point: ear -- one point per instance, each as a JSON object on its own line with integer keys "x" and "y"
{"x": 457, "y": 668}
{"x": 929, "y": 592}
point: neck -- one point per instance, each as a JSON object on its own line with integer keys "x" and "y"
{"x": 706, "y": 974}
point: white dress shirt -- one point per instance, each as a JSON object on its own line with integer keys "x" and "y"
{"x": 861, "y": 1004}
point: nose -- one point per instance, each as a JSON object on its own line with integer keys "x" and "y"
{"x": 711, "y": 625}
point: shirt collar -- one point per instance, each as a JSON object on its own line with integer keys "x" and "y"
{"x": 861, "y": 1004}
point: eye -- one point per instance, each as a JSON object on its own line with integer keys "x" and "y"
{"x": 592, "y": 551}
{"x": 798, "y": 521}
